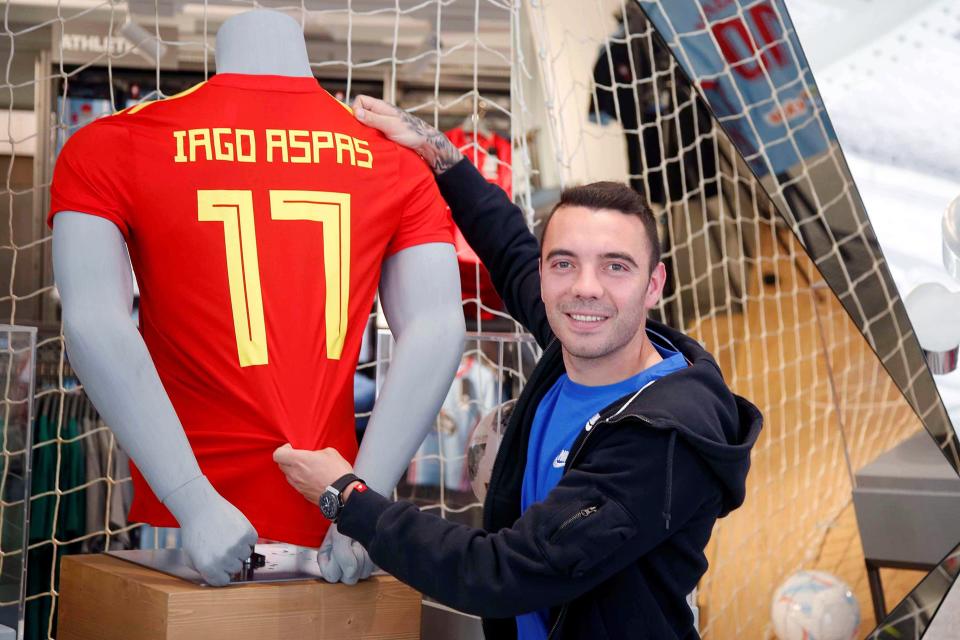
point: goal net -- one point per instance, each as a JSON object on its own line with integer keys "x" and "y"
{"x": 539, "y": 95}
{"x": 710, "y": 109}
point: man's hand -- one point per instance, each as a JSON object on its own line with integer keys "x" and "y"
{"x": 217, "y": 537}
{"x": 408, "y": 131}
{"x": 342, "y": 559}
{"x": 311, "y": 472}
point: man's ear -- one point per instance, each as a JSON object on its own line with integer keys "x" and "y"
{"x": 658, "y": 279}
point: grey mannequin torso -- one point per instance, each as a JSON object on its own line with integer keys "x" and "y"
{"x": 420, "y": 296}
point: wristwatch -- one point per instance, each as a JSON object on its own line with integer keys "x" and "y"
{"x": 331, "y": 500}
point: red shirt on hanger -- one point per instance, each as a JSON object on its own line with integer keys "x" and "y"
{"x": 492, "y": 155}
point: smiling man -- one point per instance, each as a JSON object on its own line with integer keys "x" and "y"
{"x": 620, "y": 454}
{"x": 600, "y": 273}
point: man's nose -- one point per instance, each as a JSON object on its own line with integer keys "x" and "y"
{"x": 587, "y": 285}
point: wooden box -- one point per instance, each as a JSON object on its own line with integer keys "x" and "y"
{"x": 105, "y": 598}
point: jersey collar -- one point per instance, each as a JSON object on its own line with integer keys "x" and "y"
{"x": 289, "y": 84}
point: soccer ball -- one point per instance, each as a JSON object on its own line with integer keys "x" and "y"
{"x": 484, "y": 444}
{"x": 815, "y": 605}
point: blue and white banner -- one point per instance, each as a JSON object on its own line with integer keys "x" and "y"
{"x": 746, "y": 60}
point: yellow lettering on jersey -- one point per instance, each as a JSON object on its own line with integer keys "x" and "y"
{"x": 321, "y": 140}
{"x": 277, "y": 139}
{"x": 234, "y": 208}
{"x": 363, "y": 151}
{"x": 181, "y": 154}
{"x": 222, "y": 149}
{"x": 199, "y": 139}
{"x": 250, "y": 155}
{"x": 344, "y": 142}
{"x": 301, "y": 145}
{"x": 296, "y": 146}
{"x": 333, "y": 211}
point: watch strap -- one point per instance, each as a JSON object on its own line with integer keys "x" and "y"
{"x": 344, "y": 481}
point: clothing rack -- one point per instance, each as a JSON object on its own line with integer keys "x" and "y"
{"x": 80, "y": 490}
{"x": 50, "y": 364}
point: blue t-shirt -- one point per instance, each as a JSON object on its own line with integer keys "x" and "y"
{"x": 561, "y": 415}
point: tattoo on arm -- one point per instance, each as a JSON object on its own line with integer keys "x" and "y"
{"x": 447, "y": 155}
{"x": 437, "y": 150}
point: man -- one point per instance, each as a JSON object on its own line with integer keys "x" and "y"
{"x": 622, "y": 451}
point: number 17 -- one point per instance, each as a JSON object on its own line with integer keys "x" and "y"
{"x": 234, "y": 209}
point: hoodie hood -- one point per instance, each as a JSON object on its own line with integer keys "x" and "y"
{"x": 696, "y": 405}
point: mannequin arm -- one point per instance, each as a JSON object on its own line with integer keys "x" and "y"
{"x": 106, "y": 350}
{"x": 420, "y": 295}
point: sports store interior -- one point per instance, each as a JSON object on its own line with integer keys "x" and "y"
{"x": 799, "y": 156}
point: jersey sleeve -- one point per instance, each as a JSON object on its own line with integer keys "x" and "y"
{"x": 89, "y": 175}
{"x": 424, "y": 215}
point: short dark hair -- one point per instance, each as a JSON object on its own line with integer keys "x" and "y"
{"x": 616, "y": 196}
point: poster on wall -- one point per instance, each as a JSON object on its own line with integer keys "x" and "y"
{"x": 753, "y": 73}
{"x": 73, "y": 113}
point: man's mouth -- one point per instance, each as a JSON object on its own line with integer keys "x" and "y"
{"x": 583, "y": 317}
{"x": 585, "y": 322}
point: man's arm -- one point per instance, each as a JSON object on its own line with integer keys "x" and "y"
{"x": 108, "y": 353}
{"x": 491, "y": 223}
{"x": 549, "y": 556}
{"x": 420, "y": 295}
{"x": 496, "y": 229}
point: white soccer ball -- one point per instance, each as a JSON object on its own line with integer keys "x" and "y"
{"x": 484, "y": 444}
{"x": 815, "y": 605}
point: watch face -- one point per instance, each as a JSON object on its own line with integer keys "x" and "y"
{"x": 329, "y": 505}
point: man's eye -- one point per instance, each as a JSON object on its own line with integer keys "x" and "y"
{"x": 617, "y": 267}
{"x": 561, "y": 264}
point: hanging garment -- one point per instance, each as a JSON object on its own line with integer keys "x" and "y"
{"x": 58, "y": 464}
{"x": 473, "y": 393}
{"x": 109, "y": 490}
{"x": 669, "y": 150}
{"x": 493, "y": 155}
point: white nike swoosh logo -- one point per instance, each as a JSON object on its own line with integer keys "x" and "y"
{"x": 560, "y": 460}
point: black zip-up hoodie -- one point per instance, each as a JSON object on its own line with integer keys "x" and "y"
{"x": 618, "y": 544}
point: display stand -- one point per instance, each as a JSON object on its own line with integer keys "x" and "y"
{"x": 105, "y": 598}
{"x": 907, "y": 503}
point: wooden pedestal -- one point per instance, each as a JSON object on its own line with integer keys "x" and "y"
{"x": 104, "y": 598}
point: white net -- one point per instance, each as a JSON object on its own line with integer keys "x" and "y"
{"x": 70, "y": 62}
{"x": 619, "y": 103}
{"x": 539, "y": 95}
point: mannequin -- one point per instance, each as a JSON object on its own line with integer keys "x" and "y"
{"x": 420, "y": 296}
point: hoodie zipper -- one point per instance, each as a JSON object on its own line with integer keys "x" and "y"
{"x": 590, "y": 428}
{"x": 556, "y": 625}
{"x": 579, "y": 515}
{"x": 563, "y": 610}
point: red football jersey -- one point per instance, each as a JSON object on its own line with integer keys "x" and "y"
{"x": 257, "y": 212}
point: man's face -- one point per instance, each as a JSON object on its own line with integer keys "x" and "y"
{"x": 596, "y": 282}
